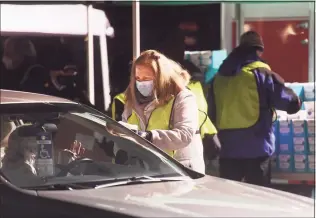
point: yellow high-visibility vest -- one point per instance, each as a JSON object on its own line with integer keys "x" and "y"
{"x": 206, "y": 125}
{"x": 241, "y": 110}
{"x": 159, "y": 120}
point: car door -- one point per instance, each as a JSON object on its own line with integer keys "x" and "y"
{"x": 14, "y": 203}
{"x": 18, "y": 204}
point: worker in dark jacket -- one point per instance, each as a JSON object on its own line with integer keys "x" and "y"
{"x": 22, "y": 72}
{"x": 242, "y": 99}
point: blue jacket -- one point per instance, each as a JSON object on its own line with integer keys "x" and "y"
{"x": 258, "y": 140}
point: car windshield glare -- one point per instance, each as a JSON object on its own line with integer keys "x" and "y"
{"x": 45, "y": 143}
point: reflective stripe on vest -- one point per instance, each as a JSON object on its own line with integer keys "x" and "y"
{"x": 159, "y": 119}
{"x": 205, "y": 124}
{"x": 237, "y": 99}
{"x": 121, "y": 98}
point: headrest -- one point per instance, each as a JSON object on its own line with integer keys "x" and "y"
{"x": 50, "y": 127}
{"x": 6, "y": 127}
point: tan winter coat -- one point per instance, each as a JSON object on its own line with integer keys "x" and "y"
{"x": 183, "y": 137}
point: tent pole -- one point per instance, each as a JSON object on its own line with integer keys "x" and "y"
{"x": 90, "y": 78}
{"x": 311, "y": 43}
{"x": 136, "y": 29}
{"x": 105, "y": 71}
{"x": 223, "y": 35}
{"x": 240, "y": 21}
{"x": 226, "y": 26}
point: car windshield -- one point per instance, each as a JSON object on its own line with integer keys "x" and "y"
{"x": 62, "y": 143}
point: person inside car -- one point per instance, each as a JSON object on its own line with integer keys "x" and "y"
{"x": 19, "y": 160}
{"x": 18, "y": 163}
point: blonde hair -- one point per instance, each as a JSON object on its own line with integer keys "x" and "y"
{"x": 185, "y": 75}
{"x": 170, "y": 77}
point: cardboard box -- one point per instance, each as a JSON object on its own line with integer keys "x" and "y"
{"x": 300, "y": 163}
{"x": 300, "y": 158}
{"x": 299, "y": 90}
{"x": 285, "y": 163}
{"x": 300, "y": 167}
{"x": 311, "y": 158}
{"x": 310, "y": 122}
{"x": 274, "y": 163}
{"x": 311, "y": 167}
{"x": 282, "y": 116}
{"x": 285, "y": 137}
{"x": 299, "y": 116}
{"x": 309, "y": 106}
{"x": 310, "y": 131}
{"x": 309, "y": 91}
{"x": 311, "y": 144}
{"x": 300, "y": 145}
{"x": 311, "y": 163}
{"x": 275, "y": 127}
{"x": 298, "y": 128}
{"x": 309, "y": 96}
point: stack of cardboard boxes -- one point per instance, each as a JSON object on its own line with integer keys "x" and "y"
{"x": 207, "y": 61}
{"x": 295, "y": 136}
{"x": 201, "y": 59}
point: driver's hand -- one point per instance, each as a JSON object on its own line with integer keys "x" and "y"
{"x": 68, "y": 155}
{"x": 77, "y": 149}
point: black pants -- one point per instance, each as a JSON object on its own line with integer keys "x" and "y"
{"x": 255, "y": 171}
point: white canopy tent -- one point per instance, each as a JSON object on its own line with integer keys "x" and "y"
{"x": 62, "y": 20}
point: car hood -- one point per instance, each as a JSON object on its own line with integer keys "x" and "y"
{"x": 204, "y": 197}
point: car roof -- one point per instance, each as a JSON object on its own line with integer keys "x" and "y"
{"x": 17, "y": 97}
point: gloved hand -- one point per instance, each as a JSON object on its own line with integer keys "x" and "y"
{"x": 212, "y": 146}
{"x": 144, "y": 134}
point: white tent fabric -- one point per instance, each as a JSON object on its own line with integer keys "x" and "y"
{"x": 62, "y": 19}
{"x": 51, "y": 19}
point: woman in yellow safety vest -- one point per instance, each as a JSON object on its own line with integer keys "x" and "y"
{"x": 165, "y": 111}
{"x": 208, "y": 131}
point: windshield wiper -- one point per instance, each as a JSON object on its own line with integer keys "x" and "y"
{"x": 66, "y": 186}
{"x": 105, "y": 183}
{"x": 138, "y": 180}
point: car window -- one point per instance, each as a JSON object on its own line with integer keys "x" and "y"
{"x": 69, "y": 143}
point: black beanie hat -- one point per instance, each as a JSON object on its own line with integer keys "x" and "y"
{"x": 251, "y": 39}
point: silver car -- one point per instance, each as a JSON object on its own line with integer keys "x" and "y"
{"x": 63, "y": 159}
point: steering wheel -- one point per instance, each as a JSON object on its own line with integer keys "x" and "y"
{"x": 70, "y": 166}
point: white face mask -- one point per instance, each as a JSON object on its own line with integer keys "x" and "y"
{"x": 30, "y": 150}
{"x": 145, "y": 87}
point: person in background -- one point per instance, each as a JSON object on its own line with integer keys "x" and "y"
{"x": 174, "y": 48}
{"x": 22, "y": 73}
{"x": 242, "y": 99}
{"x": 164, "y": 110}
{"x": 67, "y": 83}
{"x": 121, "y": 68}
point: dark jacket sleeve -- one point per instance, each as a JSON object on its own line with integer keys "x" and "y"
{"x": 119, "y": 109}
{"x": 211, "y": 103}
{"x": 280, "y": 97}
{"x": 38, "y": 81}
